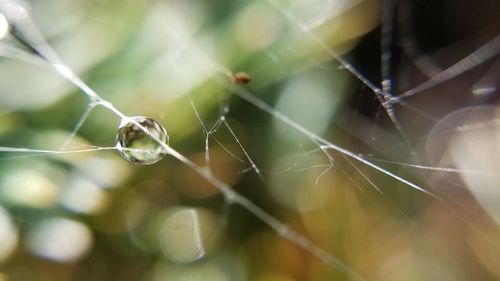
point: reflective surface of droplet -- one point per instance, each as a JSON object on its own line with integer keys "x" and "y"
{"x": 4, "y": 26}
{"x": 138, "y": 147}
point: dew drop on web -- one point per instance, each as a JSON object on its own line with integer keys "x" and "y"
{"x": 138, "y": 147}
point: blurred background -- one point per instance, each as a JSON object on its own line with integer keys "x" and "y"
{"x": 91, "y": 215}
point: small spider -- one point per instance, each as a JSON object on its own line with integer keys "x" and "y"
{"x": 240, "y": 78}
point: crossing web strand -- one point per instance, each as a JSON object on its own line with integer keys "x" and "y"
{"x": 245, "y": 141}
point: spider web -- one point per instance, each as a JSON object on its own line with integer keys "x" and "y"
{"x": 300, "y": 150}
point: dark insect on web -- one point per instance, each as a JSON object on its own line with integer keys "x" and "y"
{"x": 240, "y": 78}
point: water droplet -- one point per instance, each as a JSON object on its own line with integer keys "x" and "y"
{"x": 138, "y": 147}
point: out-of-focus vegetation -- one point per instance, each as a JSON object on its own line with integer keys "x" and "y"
{"x": 90, "y": 215}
